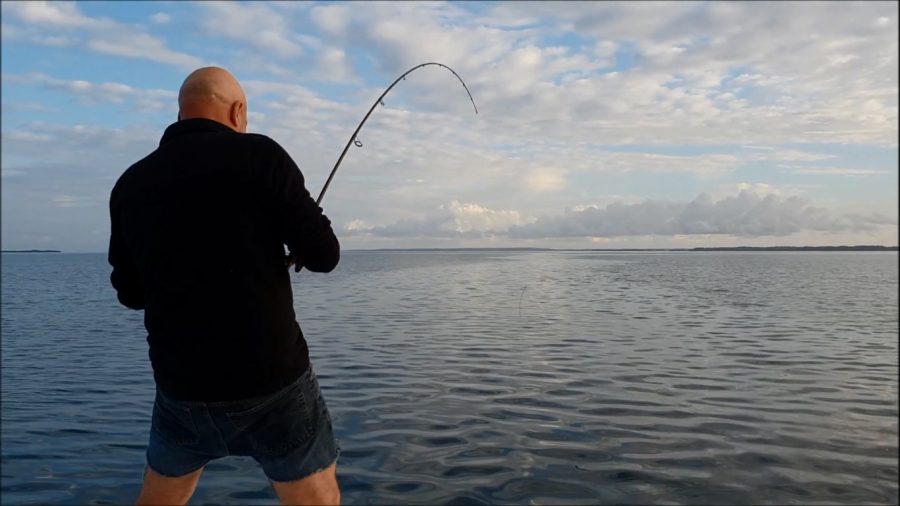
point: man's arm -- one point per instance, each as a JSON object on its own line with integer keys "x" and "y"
{"x": 304, "y": 228}
{"x": 124, "y": 277}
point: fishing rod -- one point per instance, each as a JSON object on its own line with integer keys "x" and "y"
{"x": 355, "y": 140}
{"x": 380, "y": 100}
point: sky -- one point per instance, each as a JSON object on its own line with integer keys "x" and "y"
{"x": 599, "y": 125}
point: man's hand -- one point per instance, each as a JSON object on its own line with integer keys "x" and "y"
{"x": 294, "y": 260}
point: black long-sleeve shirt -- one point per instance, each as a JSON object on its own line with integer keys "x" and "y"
{"x": 197, "y": 242}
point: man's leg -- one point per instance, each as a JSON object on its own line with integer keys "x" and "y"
{"x": 159, "y": 489}
{"x": 318, "y": 488}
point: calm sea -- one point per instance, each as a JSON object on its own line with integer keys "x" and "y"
{"x": 503, "y": 378}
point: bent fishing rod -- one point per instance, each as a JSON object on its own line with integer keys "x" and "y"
{"x": 380, "y": 100}
{"x": 355, "y": 141}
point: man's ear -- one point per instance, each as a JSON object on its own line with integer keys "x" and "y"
{"x": 236, "y": 115}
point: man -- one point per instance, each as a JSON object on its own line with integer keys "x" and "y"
{"x": 197, "y": 242}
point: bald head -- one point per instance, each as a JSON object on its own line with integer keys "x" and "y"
{"x": 213, "y": 93}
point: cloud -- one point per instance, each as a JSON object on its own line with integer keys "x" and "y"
{"x": 143, "y": 46}
{"x": 284, "y": 40}
{"x": 57, "y": 14}
{"x": 75, "y": 154}
{"x": 544, "y": 180}
{"x": 255, "y": 24}
{"x": 103, "y": 35}
{"x": 12, "y": 32}
{"x": 25, "y": 106}
{"x": 786, "y": 155}
{"x": 57, "y": 179}
{"x": 470, "y": 216}
{"x": 711, "y": 164}
{"x": 333, "y": 65}
{"x": 727, "y": 73}
{"x": 759, "y": 189}
{"x": 25, "y": 136}
{"x": 89, "y": 93}
{"x": 73, "y": 201}
{"x": 747, "y": 214}
{"x": 457, "y": 219}
{"x": 435, "y": 224}
{"x": 333, "y": 19}
{"x": 161, "y": 18}
{"x": 838, "y": 171}
{"x": 12, "y": 174}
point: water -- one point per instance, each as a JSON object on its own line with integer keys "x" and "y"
{"x": 504, "y": 378}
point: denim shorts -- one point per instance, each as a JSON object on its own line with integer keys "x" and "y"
{"x": 288, "y": 432}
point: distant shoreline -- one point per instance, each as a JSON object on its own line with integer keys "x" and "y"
{"x": 801, "y": 248}
{"x": 610, "y": 250}
{"x": 699, "y": 249}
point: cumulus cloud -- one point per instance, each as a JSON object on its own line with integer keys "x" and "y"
{"x": 747, "y": 214}
{"x": 470, "y": 216}
{"x": 58, "y": 14}
{"x": 254, "y": 23}
{"x": 657, "y": 74}
{"x": 435, "y": 224}
{"x": 90, "y": 93}
{"x": 457, "y": 219}
{"x": 143, "y": 46}
{"x": 333, "y": 19}
{"x": 12, "y": 32}
{"x": 102, "y": 35}
{"x": 759, "y": 189}
{"x": 661, "y": 74}
{"x": 332, "y": 64}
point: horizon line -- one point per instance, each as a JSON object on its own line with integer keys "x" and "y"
{"x": 537, "y": 248}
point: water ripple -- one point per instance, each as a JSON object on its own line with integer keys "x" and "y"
{"x": 610, "y": 379}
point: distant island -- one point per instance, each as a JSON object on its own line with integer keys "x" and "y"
{"x": 801, "y": 248}
{"x": 649, "y": 250}
{"x": 31, "y": 251}
{"x": 610, "y": 250}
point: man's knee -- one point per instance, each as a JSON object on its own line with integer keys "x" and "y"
{"x": 328, "y": 494}
{"x": 319, "y": 488}
{"x": 321, "y": 493}
{"x": 161, "y": 489}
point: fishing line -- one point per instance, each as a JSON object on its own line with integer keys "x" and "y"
{"x": 520, "y": 299}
